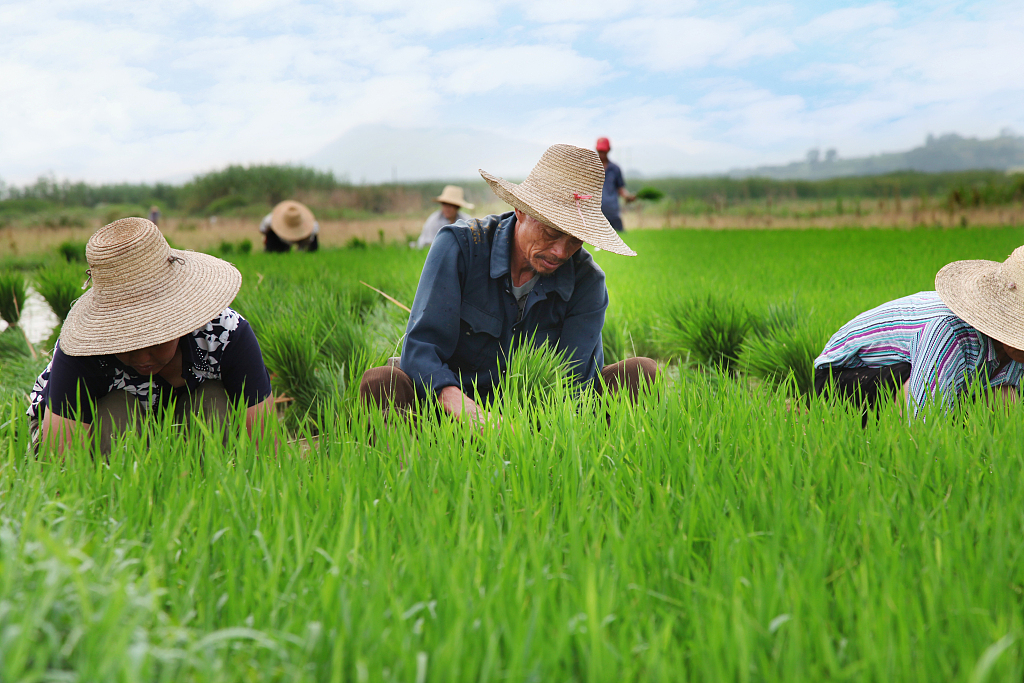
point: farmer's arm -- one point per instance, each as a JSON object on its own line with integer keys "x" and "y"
{"x": 245, "y": 376}
{"x": 626, "y": 194}
{"x": 72, "y": 386}
{"x": 581, "y": 329}
{"x": 433, "y": 330}
{"x": 58, "y": 432}
{"x": 938, "y": 364}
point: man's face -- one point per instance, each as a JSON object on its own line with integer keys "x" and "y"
{"x": 150, "y": 360}
{"x": 450, "y": 211}
{"x": 543, "y": 249}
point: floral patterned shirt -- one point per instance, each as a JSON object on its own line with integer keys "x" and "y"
{"x": 224, "y": 349}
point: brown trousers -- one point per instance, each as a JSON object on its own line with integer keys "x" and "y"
{"x": 388, "y": 385}
{"x": 119, "y": 411}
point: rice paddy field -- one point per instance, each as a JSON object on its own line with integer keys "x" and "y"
{"x": 726, "y": 527}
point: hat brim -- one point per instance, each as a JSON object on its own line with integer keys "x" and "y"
{"x": 287, "y": 232}
{"x": 455, "y": 202}
{"x": 586, "y": 223}
{"x": 977, "y": 292}
{"x": 189, "y": 296}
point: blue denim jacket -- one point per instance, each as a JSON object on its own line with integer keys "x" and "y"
{"x": 463, "y": 323}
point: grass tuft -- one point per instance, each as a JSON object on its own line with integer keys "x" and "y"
{"x": 707, "y": 330}
{"x": 60, "y": 286}
{"x": 13, "y": 294}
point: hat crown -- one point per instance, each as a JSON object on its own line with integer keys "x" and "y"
{"x": 565, "y": 172}
{"x": 130, "y": 248}
{"x": 292, "y": 216}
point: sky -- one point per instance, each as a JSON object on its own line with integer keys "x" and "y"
{"x": 377, "y": 90}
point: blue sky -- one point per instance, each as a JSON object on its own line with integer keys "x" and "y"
{"x": 143, "y": 91}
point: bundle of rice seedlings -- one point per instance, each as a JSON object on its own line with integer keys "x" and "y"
{"x": 708, "y": 331}
{"x": 72, "y": 251}
{"x": 293, "y": 358}
{"x": 782, "y": 346}
{"x": 533, "y": 373}
{"x": 13, "y": 294}
{"x": 789, "y": 353}
{"x": 60, "y": 287}
{"x": 13, "y": 345}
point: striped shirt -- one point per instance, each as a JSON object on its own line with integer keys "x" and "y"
{"x": 944, "y": 352}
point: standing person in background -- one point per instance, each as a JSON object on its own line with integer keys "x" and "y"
{"x": 451, "y": 200}
{"x": 154, "y": 215}
{"x": 290, "y": 222}
{"x": 614, "y": 186}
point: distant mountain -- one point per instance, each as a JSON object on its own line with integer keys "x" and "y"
{"x": 949, "y": 152}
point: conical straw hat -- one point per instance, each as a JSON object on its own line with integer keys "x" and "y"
{"x": 452, "y": 194}
{"x": 988, "y": 295}
{"x": 143, "y": 292}
{"x": 563, "y": 191}
{"x": 291, "y": 220}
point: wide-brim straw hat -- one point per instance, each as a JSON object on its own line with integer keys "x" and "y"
{"x": 292, "y": 220}
{"x": 143, "y": 292}
{"x": 563, "y": 191}
{"x": 988, "y": 295}
{"x": 453, "y": 194}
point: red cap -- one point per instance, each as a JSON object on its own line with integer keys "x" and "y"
{"x": 603, "y": 145}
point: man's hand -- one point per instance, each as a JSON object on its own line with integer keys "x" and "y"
{"x": 458, "y": 405}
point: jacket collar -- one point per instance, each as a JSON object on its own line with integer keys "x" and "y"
{"x": 562, "y": 281}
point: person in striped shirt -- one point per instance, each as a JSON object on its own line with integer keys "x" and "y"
{"x": 933, "y": 345}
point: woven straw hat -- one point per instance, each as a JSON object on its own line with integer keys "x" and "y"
{"x": 291, "y": 220}
{"x": 563, "y": 191}
{"x": 988, "y": 295}
{"x": 143, "y": 292}
{"x": 452, "y": 194}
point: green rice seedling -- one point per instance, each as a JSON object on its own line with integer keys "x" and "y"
{"x": 72, "y": 251}
{"x": 782, "y": 345}
{"x": 651, "y": 194}
{"x": 226, "y": 248}
{"x": 245, "y": 246}
{"x": 789, "y": 352}
{"x": 60, "y": 286}
{"x": 616, "y": 341}
{"x": 707, "y": 330}
{"x": 13, "y": 294}
{"x": 532, "y": 374}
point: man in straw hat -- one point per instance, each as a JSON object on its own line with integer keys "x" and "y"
{"x": 489, "y": 284}
{"x": 290, "y": 222}
{"x": 451, "y": 200}
{"x": 932, "y": 345}
{"x": 154, "y": 329}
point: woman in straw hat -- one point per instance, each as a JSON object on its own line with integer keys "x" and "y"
{"x": 290, "y": 223}
{"x": 932, "y": 345}
{"x": 492, "y": 284}
{"x": 154, "y": 329}
{"x": 451, "y": 200}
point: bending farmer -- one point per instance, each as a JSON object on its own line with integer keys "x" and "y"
{"x": 933, "y": 344}
{"x": 289, "y": 223}
{"x": 490, "y": 283}
{"x": 154, "y": 329}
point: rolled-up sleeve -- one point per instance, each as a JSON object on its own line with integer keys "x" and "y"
{"x": 584, "y": 320}
{"x": 433, "y": 330}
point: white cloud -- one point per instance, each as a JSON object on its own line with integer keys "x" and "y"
{"x": 689, "y": 42}
{"x": 467, "y": 71}
{"x": 848, "y": 20}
